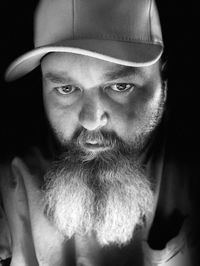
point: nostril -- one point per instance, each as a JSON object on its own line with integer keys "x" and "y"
{"x": 92, "y": 115}
{"x": 93, "y": 119}
{"x": 104, "y": 119}
{"x": 87, "y": 115}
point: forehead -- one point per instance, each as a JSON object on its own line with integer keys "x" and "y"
{"x": 75, "y": 66}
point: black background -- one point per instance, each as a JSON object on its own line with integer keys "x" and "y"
{"x": 22, "y": 122}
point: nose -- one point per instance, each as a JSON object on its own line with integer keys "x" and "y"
{"x": 92, "y": 115}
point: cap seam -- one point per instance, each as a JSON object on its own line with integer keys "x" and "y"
{"x": 73, "y": 13}
{"x": 115, "y": 38}
{"x": 150, "y": 8}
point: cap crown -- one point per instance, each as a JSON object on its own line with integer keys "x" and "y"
{"x": 126, "y": 20}
{"x": 125, "y": 32}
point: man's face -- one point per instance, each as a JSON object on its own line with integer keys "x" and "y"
{"x": 84, "y": 92}
{"x": 102, "y": 114}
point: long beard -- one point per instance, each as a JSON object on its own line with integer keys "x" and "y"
{"x": 105, "y": 193}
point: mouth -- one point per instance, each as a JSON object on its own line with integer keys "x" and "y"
{"x": 96, "y": 146}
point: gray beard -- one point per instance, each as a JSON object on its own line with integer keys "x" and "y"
{"x": 106, "y": 193}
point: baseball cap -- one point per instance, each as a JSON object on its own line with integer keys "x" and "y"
{"x": 126, "y": 32}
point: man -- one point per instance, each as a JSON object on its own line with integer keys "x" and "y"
{"x": 108, "y": 194}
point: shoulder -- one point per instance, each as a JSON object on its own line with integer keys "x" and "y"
{"x": 35, "y": 161}
{"x": 14, "y": 173}
{"x": 14, "y": 176}
{"x": 6, "y": 179}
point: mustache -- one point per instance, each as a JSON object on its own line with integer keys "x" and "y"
{"x": 102, "y": 137}
{"x": 75, "y": 152}
{"x": 74, "y": 149}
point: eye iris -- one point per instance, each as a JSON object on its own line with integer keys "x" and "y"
{"x": 122, "y": 86}
{"x": 65, "y": 89}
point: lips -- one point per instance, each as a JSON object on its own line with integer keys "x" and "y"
{"x": 95, "y": 145}
{"x": 94, "y": 141}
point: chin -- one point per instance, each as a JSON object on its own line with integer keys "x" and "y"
{"x": 104, "y": 193}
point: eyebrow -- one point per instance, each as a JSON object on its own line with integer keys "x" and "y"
{"x": 121, "y": 72}
{"x": 59, "y": 77}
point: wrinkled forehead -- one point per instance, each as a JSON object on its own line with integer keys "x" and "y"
{"x": 75, "y": 65}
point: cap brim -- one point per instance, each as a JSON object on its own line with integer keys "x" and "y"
{"x": 134, "y": 54}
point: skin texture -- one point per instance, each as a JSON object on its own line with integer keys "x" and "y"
{"x": 102, "y": 115}
{"x": 93, "y": 102}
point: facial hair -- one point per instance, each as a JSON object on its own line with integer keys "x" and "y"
{"x": 105, "y": 193}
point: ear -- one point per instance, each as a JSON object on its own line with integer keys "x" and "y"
{"x": 165, "y": 88}
{"x": 164, "y": 66}
{"x": 163, "y": 70}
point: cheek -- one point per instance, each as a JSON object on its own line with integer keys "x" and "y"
{"x": 129, "y": 119}
{"x": 143, "y": 102}
{"x": 122, "y": 117}
{"x": 62, "y": 119}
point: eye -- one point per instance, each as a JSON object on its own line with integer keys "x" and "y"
{"x": 122, "y": 87}
{"x": 66, "y": 89}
